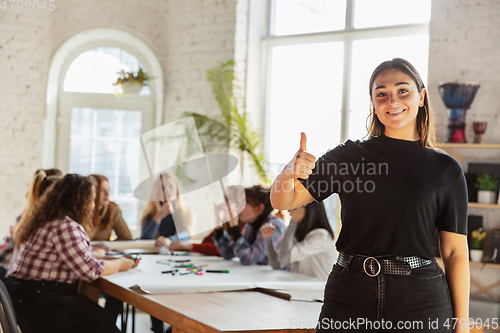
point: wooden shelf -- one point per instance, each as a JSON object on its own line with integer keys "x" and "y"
{"x": 482, "y": 205}
{"x": 484, "y": 264}
{"x": 464, "y": 152}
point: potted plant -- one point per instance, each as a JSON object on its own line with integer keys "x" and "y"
{"x": 130, "y": 82}
{"x": 487, "y": 186}
{"x": 231, "y": 128}
{"x": 476, "y": 245}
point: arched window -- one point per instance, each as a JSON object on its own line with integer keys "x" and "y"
{"x": 95, "y": 70}
{"x": 95, "y": 126}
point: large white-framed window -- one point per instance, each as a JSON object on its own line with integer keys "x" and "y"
{"x": 318, "y": 58}
{"x": 94, "y": 126}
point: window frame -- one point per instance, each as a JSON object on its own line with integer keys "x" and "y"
{"x": 348, "y": 35}
{"x": 68, "y": 100}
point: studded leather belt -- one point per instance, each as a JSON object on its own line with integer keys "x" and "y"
{"x": 397, "y": 265}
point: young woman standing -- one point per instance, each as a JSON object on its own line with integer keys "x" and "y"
{"x": 397, "y": 191}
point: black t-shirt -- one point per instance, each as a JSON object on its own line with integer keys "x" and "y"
{"x": 395, "y": 195}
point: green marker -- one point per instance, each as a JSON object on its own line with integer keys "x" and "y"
{"x": 216, "y": 271}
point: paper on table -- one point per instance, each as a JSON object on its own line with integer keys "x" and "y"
{"x": 140, "y": 244}
{"x": 148, "y": 277}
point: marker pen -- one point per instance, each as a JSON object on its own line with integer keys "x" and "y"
{"x": 170, "y": 271}
{"x": 216, "y": 271}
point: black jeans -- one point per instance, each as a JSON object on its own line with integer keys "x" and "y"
{"x": 52, "y": 307}
{"x": 356, "y": 302}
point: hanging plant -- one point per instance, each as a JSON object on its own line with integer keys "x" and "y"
{"x": 130, "y": 82}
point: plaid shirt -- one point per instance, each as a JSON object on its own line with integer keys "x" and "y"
{"x": 7, "y": 247}
{"x": 250, "y": 254}
{"x": 59, "y": 251}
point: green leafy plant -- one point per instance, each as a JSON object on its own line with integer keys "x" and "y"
{"x": 140, "y": 79}
{"x": 477, "y": 239}
{"x": 486, "y": 182}
{"x": 231, "y": 128}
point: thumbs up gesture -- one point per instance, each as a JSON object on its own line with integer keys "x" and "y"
{"x": 302, "y": 164}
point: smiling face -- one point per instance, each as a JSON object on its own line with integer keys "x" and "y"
{"x": 396, "y": 101}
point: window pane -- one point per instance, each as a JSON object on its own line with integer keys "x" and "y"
{"x": 81, "y": 121}
{"x": 415, "y": 49}
{"x": 96, "y": 70}
{"x": 322, "y": 130}
{"x": 375, "y": 13}
{"x": 98, "y": 151}
{"x": 124, "y": 183}
{"x": 357, "y": 124}
{"x": 80, "y": 156}
{"x": 105, "y": 160}
{"x": 132, "y": 124}
{"x": 306, "y": 16}
{"x": 130, "y": 211}
{"x": 107, "y": 123}
{"x": 306, "y": 90}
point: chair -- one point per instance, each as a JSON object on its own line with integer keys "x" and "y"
{"x": 8, "y": 318}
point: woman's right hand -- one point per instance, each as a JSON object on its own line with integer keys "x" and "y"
{"x": 162, "y": 241}
{"x": 302, "y": 163}
{"x": 179, "y": 245}
{"x": 287, "y": 191}
{"x": 126, "y": 264}
{"x": 298, "y": 214}
{"x": 267, "y": 230}
{"x": 164, "y": 211}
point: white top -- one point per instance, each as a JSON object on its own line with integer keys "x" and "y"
{"x": 315, "y": 255}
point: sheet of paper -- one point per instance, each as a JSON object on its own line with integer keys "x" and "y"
{"x": 139, "y": 244}
{"x": 148, "y": 276}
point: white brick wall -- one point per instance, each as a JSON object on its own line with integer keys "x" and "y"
{"x": 25, "y": 39}
{"x": 464, "y": 46}
{"x": 187, "y": 36}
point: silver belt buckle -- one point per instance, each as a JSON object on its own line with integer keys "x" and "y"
{"x": 379, "y": 267}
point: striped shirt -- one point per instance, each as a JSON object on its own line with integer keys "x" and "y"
{"x": 59, "y": 251}
{"x": 249, "y": 254}
{"x": 7, "y": 247}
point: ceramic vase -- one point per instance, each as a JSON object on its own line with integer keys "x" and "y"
{"x": 130, "y": 87}
{"x": 476, "y": 255}
{"x": 457, "y": 96}
{"x": 486, "y": 197}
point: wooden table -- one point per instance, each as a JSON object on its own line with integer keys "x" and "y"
{"x": 237, "y": 311}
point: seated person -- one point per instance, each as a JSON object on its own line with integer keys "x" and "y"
{"x": 308, "y": 243}
{"x": 165, "y": 219}
{"x": 107, "y": 215}
{"x": 40, "y": 182}
{"x": 249, "y": 245}
{"x": 54, "y": 252}
{"x": 166, "y": 213}
{"x": 234, "y": 195}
